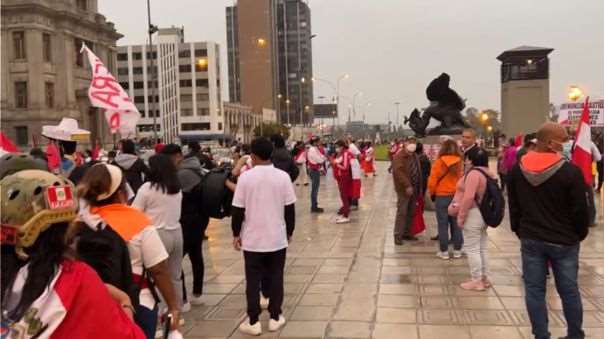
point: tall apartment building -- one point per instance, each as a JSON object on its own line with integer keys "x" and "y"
{"x": 270, "y": 57}
{"x": 44, "y": 75}
{"x": 178, "y": 82}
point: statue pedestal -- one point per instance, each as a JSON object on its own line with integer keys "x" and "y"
{"x": 436, "y": 139}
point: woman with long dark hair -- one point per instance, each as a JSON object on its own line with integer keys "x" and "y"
{"x": 160, "y": 199}
{"x": 103, "y": 193}
{"x": 45, "y": 292}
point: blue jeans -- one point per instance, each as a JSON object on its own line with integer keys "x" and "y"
{"x": 565, "y": 265}
{"x": 315, "y": 178}
{"x": 446, "y": 223}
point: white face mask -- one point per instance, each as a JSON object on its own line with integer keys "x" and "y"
{"x": 411, "y": 148}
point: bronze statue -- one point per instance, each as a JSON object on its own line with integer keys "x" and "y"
{"x": 445, "y": 106}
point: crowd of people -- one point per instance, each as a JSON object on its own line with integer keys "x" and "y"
{"x": 550, "y": 210}
{"x": 114, "y": 233}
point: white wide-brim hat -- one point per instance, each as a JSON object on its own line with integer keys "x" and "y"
{"x": 66, "y": 130}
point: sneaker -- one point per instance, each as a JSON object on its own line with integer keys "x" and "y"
{"x": 443, "y": 255}
{"x": 434, "y": 237}
{"x": 275, "y": 325}
{"x": 196, "y": 300}
{"x": 410, "y": 238}
{"x": 473, "y": 285}
{"x": 342, "y": 220}
{"x": 398, "y": 241}
{"x": 317, "y": 210}
{"x": 457, "y": 254}
{"x": 354, "y": 207}
{"x": 186, "y": 307}
{"x": 486, "y": 282}
{"x": 250, "y": 329}
{"x": 263, "y": 302}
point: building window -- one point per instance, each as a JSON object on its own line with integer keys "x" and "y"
{"x": 186, "y": 112}
{"x": 22, "y": 135}
{"x": 137, "y": 70}
{"x": 139, "y": 84}
{"x": 201, "y": 83}
{"x": 82, "y": 4}
{"x": 139, "y": 99}
{"x": 204, "y": 111}
{"x": 203, "y": 97}
{"x": 184, "y": 68}
{"x": 185, "y": 53}
{"x": 49, "y": 90}
{"x": 201, "y": 52}
{"x": 79, "y": 57}
{"x": 186, "y": 83}
{"x": 125, "y": 85}
{"x": 19, "y": 44}
{"x": 122, "y": 71}
{"x": 21, "y": 94}
{"x": 220, "y": 126}
{"x": 122, "y": 57}
{"x": 151, "y": 55}
{"x": 46, "y": 47}
{"x": 202, "y": 126}
{"x": 137, "y": 56}
{"x": 186, "y": 98}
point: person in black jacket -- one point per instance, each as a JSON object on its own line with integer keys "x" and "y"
{"x": 549, "y": 213}
{"x": 282, "y": 158}
{"x": 133, "y": 167}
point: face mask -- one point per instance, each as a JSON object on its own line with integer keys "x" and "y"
{"x": 411, "y": 148}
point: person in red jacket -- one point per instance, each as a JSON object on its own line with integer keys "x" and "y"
{"x": 341, "y": 165}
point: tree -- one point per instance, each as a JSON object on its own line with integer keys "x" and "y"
{"x": 267, "y": 129}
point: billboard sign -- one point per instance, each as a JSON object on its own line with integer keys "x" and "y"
{"x": 322, "y": 111}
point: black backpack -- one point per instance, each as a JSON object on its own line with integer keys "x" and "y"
{"x": 492, "y": 206}
{"x": 107, "y": 253}
{"x": 216, "y": 197}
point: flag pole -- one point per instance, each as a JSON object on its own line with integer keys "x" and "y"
{"x": 154, "y": 82}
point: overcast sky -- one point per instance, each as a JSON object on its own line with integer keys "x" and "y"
{"x": 392, "y": 49}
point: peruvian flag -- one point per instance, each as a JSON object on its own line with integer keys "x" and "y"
{"x": 582, "y": 151}
{"x": 6, "y": 145}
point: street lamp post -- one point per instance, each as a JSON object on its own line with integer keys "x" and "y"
{"x": 354, "y": 104}
{"x": 398, "y": 113}
{"x": 150, "y": 30}
{"x": 287, "y": 102}
{"x": 336, "y": 88}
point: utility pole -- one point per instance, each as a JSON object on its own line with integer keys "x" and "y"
{"x": 154, "y": 83}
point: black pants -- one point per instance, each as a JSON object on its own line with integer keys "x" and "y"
{"x": 192, "y": 234}
{"x": 600, "y": 174}
{"x": 266, "y": 268}
{"x": 592, "y": 206}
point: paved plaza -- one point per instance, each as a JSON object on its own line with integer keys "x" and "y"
{"x": 350, "y": 281}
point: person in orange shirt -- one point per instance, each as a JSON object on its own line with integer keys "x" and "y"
{"x": 444, "y": 175}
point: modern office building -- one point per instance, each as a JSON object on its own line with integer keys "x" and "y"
{"x": 270, "y": 57}
{"x": 524, "y": 89}
{"x": 44, "y": 75}
{"x": 185, "y": 100}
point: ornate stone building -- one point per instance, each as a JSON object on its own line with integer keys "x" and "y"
{"x": 44, "y": 75}
{"x": 240, "y": 121}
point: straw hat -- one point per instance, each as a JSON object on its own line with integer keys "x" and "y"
{"x": 66, "y": 130}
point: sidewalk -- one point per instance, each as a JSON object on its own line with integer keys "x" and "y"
{"x": 350, "y": 281}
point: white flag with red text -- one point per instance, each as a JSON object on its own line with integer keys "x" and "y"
{"x": 582, "y": 152}
{"x": 106, "y": 92}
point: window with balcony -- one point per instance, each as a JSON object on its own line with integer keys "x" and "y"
{"x": 22, "y": 135}
{"x": 21, "y": 94}
{"x": 19, "y": 45}
{"x": 122, "y": 57}
{"x": 202, "y": 126}
{"x": 82, "y": 5}
{"x": 201, "y": 83}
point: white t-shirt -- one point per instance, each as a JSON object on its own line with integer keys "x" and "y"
{"x": 146, "y": 248}
{"x": 264, "y": 191}
{"x": 162, "y": 208}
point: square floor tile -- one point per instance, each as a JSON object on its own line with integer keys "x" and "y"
{"x": 323, "y": 313}
{"x": 394, "y": 331}
{"x": 398, "y": 301}
{"x": 349, "y": 329}
{"x": 479, "y": 303}
{"x": 396, "y": 315}
{"x": 443, "y": 332}
{"x": 319, "y": 300}
{"x": 304, "y": 329}
{"x": 495, "y": 332}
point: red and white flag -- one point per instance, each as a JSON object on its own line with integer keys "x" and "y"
{"x": 582, "y": 151}
{"x": 106, "y": 92}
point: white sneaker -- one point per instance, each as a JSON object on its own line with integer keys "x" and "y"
{"x": 186, "y": 307}
{"x": 196, "y": 300}
{"x": 275, "y": 325}
{"x": 246, "y": 328}
{"x": 443, "y": 255}
{"x": 342, "y": 220}
{"x": 457, "y": 254}
{"x": 263, "y": 302}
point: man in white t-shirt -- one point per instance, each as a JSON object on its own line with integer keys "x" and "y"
{"x": 263, "y": 221}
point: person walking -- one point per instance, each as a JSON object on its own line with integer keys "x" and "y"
{"x": 103, "y": 196}
{"x": 282, "y": 158}
{"x": 406, "y": 172}
{"x": 314, "y": 162}
{"x": 160, "y": 199}
{"x": 355, "y": 168}
{"x": 369, "y": 162}
{"x": 263, "y": 223}
{"x": 549, "y": 213}
{"x": 134, "y": 168}
{"x": 299, "y": 154}
{"x": 342, "y": 172}
{"x": 444, "y": 175}
{"x": 194, "y": 222}
{"x": 465, "y": 208}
